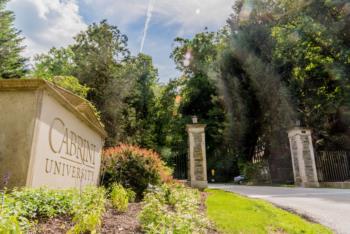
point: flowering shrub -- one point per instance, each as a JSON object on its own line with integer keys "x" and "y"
{"x": 134, "y": 168}
{"x": 172, "y": 209}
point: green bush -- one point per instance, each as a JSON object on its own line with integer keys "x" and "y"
{"x": 134, "y": 168}
{"x": 23, "y": 207}
{"x": 41, "y": 202}
{"x": 172, "y": 209}
{"x": 9, "y": 223}
{"x": 255, "y": 172}
{"x": 119, "y": 197}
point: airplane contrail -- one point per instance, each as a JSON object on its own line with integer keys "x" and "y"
{"x": 148, "y": 19}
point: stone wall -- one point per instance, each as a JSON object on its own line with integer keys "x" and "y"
{"x": 17, "y": 120}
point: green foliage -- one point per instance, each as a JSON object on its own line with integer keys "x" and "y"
{"x": 199, "y": 96}
{"x": 42, "y": 202}
{"x": 57, "y": 62}
{"x": 119, "y": 197}
{"x": 99, "y": 56}
{"x": 88, "y": 210}
{"x": 23, "y": 207}
{"x": 172, "y": 209}
{"x": 318, "y": 67}
{"x": 139, "y": 114}
{"x": 131, "y": 195}
{"x": 236, "y": 214}
{"x": 57, "y": 66}
{"x": 134, "y": 168}
{"x": 72, "y": 84}
{"x": 98, "y": 59}
{"x": 9, "y": 223}
{"x": 12, "y": 64}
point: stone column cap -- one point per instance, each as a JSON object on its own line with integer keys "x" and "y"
{"x": 299, "y": 131}
{"x": 194, "y": 126}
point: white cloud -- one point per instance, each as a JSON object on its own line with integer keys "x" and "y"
{"x": 189, "y": 15}
{"x": 194, "y": 15}
{"x": 47, "y": 23}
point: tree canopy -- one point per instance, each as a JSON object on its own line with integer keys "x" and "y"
{"x": 274, "y": 64}
{"x": 12, "y": 64}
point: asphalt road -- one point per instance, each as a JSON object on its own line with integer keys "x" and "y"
{"x": 330, "y": 207}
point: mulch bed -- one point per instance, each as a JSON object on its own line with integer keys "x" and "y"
{"x": 113, "y": 222}
{"x": 53, "y": 226}
{"x": 123, "y": 223}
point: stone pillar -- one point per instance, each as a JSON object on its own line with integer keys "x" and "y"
{"x": 303, "y": 157}
{"x": 197, "y": 163}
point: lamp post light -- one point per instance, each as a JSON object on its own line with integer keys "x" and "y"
{"x": 194, "y": 119}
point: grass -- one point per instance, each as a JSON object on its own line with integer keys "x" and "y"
{"x": 232, "y": 213}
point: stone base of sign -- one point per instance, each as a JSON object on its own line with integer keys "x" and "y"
{"x": 197, "y": 163}
{"x": 201, "y": 185}
{"x": 303, "y": 157}
{"x": 49, "y": 136}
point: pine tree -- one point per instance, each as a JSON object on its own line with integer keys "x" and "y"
{"x": 12, "y": 64}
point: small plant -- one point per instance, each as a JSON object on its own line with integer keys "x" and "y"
{"x": 88, "y": 211}
{"x": 131, "y": 195}
{"x": 172, "y": 209}
{"x": 134, "y": 168}
{"x": 119, "y": 197}
{"x": 23, "y": 207}
{"x": 9, "y": 223}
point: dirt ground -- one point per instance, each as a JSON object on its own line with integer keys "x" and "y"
{"x": 123, "y": 223}
{"x": 113, "y": 222}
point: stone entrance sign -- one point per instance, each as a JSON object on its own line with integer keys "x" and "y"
{"x": 197, "y": 163}
{"x": 49, "y": 136}
{"x": 303, "y": 157}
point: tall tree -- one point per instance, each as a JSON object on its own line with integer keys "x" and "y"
{"x": 99, "y": 55}
{"x": 12, "y": 64}
{"x": 199, "y": 96}
{"x": 56, "y": 62}
{"x": 316, "y": 71}
{"x": 139, "y": 113}
{"x": 57, "y": 66}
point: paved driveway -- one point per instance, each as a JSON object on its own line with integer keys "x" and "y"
{"x": 330, "y": 207}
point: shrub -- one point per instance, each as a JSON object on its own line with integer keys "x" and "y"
{"x": 88, "y": 210}
{"x": 134, "y": 168}
{"x": 119, "y": 197}
{"x": 9, "y": 223}
{"x": 42, "y": 202}
{"x": 172, "y": 209}
{"x": 255, "y": 173}
{"x": 23, "y": 207}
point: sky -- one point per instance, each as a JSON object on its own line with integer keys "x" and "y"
{"x": 54, "y": 23}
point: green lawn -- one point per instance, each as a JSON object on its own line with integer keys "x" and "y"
{"x": 232, "y": 213}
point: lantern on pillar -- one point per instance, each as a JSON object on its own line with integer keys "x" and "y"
{"x": 194, "y": 119}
